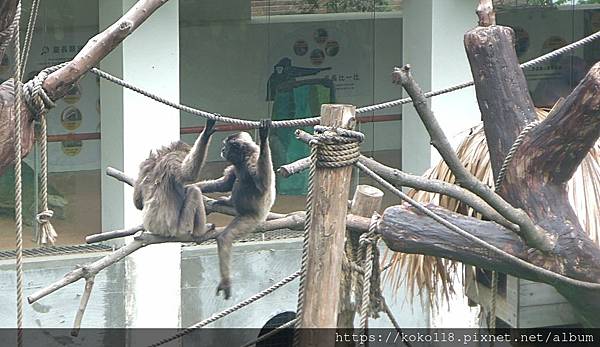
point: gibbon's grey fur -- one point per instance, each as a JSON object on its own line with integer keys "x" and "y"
{"x": 251, "y": 180}
{"x": 169, "y": 205}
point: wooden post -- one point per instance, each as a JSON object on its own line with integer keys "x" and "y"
{"x": 367, "y": 199}
{"x": 326, "y": 244}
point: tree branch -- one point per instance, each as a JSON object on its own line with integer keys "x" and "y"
{"x": 58, "y": 83}
{"x": 501, "y": 88}
{"x": 437, "y": 186}
{"x": 554, "y": 149}
{"x": 93, "y": 268}
{"x": 486, "y": 13}
{"x": 534, "y": 236}
{"x": 406, "y": 230}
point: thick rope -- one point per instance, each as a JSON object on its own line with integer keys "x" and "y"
{"x": 271, "y": 333}
{"x": 306, "y": 238}
{"x": 213, "y": 116}
{"x": 35, "y": 5}
{"x": 229, "y": 310}
{"x": 531, "y": 63}
{"x": 368, "y": 241}
{"x": 18, "y": 183}
{"x": 511, "y": 153}
{"x": 315, "y": 120}
{"x": 47, "y": 234}
{"x": 39, "y": 103}
{"x": 501, "y": 175}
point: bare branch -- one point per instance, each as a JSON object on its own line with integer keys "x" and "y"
{"x": 93, "y": 268}
{"x": 109, "y": 235}
{"x": 535, "y": 236}
{"x": 437, "y": 186}
{"x": 403, "y": 179}
{"x": 294, "y": 168}
{"x": 554, "y": 149}
{"x": 486, "y": 13}
{"x": 98, "y": 47}
{"x": 89, "y": 285}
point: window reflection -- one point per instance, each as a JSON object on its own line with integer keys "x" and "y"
{"x": 63, "y": 27}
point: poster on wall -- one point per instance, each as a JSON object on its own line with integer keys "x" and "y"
{"x": 320, "y": 50}
{"x": 77, "y": 112}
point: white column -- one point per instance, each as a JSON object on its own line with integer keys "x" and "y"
{"x": 432, "y": 39}
{"x": 432, "y": 43}
{"x": 132, "y": 125}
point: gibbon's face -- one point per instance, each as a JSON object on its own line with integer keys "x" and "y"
{"x": 237, "y": 146}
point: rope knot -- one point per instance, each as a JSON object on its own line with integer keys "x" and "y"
{"x": 44, "y": 216}
{"x": 47, "y": 234}
{"x": 336, "y": 147}
{"x": 35, "y": 96}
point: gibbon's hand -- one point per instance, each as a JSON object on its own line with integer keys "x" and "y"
{"x": 263, "y": 130}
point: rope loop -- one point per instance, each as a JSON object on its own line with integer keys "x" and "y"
{"x": 35, "y": 96}
{"x": 44, "y": 216}
{"x": 336, "y": 147}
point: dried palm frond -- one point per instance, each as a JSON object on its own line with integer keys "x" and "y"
{"x": 434, "y": 276}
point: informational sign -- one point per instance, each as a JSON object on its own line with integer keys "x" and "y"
{"x": 326, "y": 46}
{"x": 78, "y": 112}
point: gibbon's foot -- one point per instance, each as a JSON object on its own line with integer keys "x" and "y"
{"x": 208, "y": 228}
{"x": 223, "y": 201}
{"x": 225, "y": 287}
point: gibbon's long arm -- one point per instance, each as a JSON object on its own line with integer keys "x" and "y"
{"x": 264, "y": 165}
{"x": 138, "y": 198}
{"x": 194, "y": 160}
{"x": 220, "y": 185}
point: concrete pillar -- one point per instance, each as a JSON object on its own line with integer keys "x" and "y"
{"x": 432, "y": 43}
{"x": 132, "y": 125}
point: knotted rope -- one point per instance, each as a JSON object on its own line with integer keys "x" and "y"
{"x": 39, "y": 103}
{"x": 330, "y": 147}
{"x": 368, "y": 242}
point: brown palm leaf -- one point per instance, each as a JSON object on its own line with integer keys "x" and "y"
{"x": 435, "y": 275}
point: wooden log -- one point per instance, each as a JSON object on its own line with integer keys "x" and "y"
{"x": 550, "y": 152}
{"x": 326, "y": 243}
{"x": 501, "y": 88}
{"x": 366, "y": 200}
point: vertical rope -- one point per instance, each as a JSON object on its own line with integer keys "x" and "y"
{"x": 497, "y": 184}
{"x": 47, "y": 232}
{"x": 18, "y": 184}
{"x": 29, "y": 34}
{"x": 369, "y": 240}
{"x": 307, "y": 223}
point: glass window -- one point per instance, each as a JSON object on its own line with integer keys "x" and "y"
{"x": 543, "y": 26}
{"x": 73, "y": 128}
{"x": 283, "y": 60}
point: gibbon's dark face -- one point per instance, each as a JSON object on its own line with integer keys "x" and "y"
{"x": 238, "y": 146}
